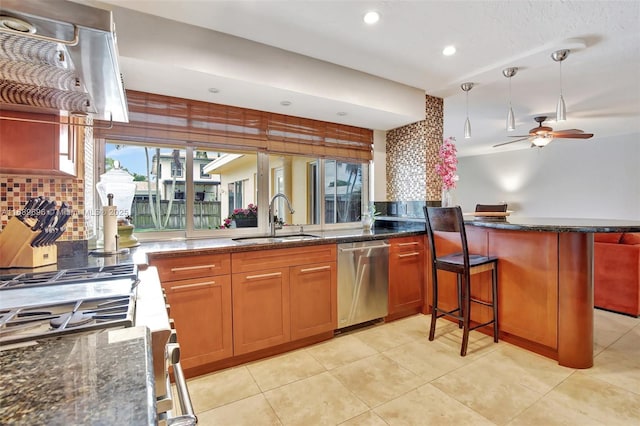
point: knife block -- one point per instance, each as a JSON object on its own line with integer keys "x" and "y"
{"x": 16, "y": 250}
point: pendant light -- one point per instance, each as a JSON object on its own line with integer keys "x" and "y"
{"x": 467, "y": 124}
{"x": 511, "y": 120}
{"x": 561, "y": 109}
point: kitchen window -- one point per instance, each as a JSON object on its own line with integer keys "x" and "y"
{"x": 191, "y": 191}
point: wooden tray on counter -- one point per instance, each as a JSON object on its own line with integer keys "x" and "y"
{"x": 489, "y": 214}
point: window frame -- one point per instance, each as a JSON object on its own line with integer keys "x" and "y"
{"x": 262, "y": 188}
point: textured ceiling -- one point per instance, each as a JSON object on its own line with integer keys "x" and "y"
{"x": 601, "y": 82}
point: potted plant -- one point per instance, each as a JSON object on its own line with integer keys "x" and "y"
{"x": 242, "y": 218}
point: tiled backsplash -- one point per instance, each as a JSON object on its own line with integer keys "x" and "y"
{"x": 412, "y": 153}
{"x": 16, "y": 190}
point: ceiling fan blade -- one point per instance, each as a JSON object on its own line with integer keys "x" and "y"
{"x": 507, "y": 143}
{"x": 568, "y": 131}
{"x": 574, "y": 136}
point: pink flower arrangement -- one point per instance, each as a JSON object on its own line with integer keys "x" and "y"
{"x": 448, "y": 165}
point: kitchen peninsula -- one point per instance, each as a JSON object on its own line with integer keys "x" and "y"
{"x": 545, "y": 281}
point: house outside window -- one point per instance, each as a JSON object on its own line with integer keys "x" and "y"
{"x": 203, "y": 187}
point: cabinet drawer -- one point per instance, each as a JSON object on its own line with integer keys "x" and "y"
{"x": 406, "y": 244}
{"x": 280, "y": 258}
{"x": 186, "y": 267}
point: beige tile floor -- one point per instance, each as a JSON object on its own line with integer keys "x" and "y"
{"x": 390, "y": 374}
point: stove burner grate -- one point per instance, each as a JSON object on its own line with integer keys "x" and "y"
{"x": 68, "y": 276}
{"x": 49, "y": 320}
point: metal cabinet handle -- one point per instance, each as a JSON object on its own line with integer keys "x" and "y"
{"x": 317, "y": 268}
{"x": 193, "y": 268}
{"x": 261, "y": 276}
{"x": 415, "y": 253}
{"x": 196, "y": 285}
{"x": 365, "y": 248}
{"x": 414, "y": 243}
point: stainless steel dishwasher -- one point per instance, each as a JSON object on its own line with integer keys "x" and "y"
{"x": 363, "y": 271}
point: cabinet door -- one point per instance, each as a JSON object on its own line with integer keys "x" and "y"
{"x": 201, "y": 310}
{"x": 406, "y": 280}
{"x": 28, "y": 147}
{"x": 313, "y": 299}
{"x": 261, "y": 309}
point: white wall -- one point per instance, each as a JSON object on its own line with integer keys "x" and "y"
{"x": 378, "y": 170}
{"x": 597, "y": 178}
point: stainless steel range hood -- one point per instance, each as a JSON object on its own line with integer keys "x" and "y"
{"x": 60, "y": 55}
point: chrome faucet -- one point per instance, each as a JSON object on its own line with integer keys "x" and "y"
{"x": 272, "y": 221}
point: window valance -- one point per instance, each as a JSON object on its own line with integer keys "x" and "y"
{"x": 170, "y": 120}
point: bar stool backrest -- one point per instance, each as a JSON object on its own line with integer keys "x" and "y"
{"x": 446, "y": 219}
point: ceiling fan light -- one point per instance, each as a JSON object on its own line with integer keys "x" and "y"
{"x": 561, "y": 110}
{"x": 467, "y": 129}
{"x": 511, "y": 121}
{"x": 541, "y": 141}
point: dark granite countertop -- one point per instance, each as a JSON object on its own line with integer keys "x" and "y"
{"x": 180, "y": 247}
{"x": 97, "y": 378}
{"x": 548, "y": 224}
{"x": 228, "y": 245}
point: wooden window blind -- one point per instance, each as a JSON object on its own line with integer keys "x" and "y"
{"x": 164, "y": 119}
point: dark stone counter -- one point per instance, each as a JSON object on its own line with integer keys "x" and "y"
{"x": 97, "y": 378}
{"x": 227, "y": 245}
{"x": 546, "y": 224}
{"x": 171, "y": 248}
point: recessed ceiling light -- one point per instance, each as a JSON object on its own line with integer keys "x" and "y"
{"x": 214, "y": 90}
{"x": 371, "y": 17}
{"x": 285, "y": 103}
{"x": 341, "y": 113}
{"x": 449, "y": 50}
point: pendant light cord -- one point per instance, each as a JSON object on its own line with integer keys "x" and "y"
{"x": 509, "y": 92}
{"x": 560, "y": 78}
{"x": 467, "y": 92}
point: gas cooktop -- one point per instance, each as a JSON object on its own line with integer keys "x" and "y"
{"x": 23, "y": 324}
{"x": 74, "y": 275}
{"x": 47, "y": 304}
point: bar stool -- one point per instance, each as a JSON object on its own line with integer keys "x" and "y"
{"x": 463, "y": 264}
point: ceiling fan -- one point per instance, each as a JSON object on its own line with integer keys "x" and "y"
{"x": 540, "y": 136}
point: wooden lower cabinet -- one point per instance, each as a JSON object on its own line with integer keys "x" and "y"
{"x": 406, "y": 276}
{"x": 293, "y": 299}
{"x": 201, "y": 310}
{"x": 227, "y": 305}
{"x": 261, "y": 310}
{"x": 313, "y": 291}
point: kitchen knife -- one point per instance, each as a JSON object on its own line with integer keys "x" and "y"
{"x": 52, "y": 235}
{"x": 56, "y": 229}
{"x": 46, "y": 214}
{"x": 27, "y": 208}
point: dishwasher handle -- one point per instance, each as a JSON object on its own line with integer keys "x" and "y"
{"x": 382, "y": 246}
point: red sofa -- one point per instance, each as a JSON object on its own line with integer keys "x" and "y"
{"x": 617, "y": 272}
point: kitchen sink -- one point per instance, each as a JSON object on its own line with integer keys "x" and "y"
{"x": 276, "y": 239}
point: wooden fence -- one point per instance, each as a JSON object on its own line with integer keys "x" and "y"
{"x": 206, "y": 215}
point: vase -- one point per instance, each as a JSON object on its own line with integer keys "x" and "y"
{"x": 447, "y": 198}
{"x": 367, "y": 222}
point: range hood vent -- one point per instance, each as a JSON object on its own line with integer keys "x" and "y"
{"x": 60, "y": 55}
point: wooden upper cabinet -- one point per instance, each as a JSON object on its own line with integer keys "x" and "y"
{"x": 39, "y": 148}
